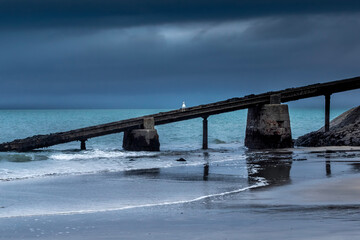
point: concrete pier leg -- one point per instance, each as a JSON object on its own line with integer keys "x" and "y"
{"x": 82, "y": 145}
{"x": 145, "y": 139}
{"x": 205, "y": 133}
{"x": 268, "y": 126}
{"x": 327, "y": 112}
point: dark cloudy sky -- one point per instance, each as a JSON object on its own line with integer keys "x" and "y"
{"x": 157, "y": 53}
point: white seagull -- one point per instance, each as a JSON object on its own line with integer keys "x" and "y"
{"x": 183, "y": 106}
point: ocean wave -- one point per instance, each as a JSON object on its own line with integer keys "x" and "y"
{"x": 20, "y": 157}
{"x": 96, "y": 154}
{"x": 60, "y": 163}
{"x": 218, "y": 141}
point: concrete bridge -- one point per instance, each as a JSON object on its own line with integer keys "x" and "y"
{"x": 268, "y": 122}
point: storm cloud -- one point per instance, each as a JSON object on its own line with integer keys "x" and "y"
{"x": 125, "y": 54}
{"x": 112, "y": 13}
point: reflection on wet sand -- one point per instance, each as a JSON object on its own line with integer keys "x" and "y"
{"x": 206, "y": 172}
{"x": 150, "y": 172}
{"x": 356, "y": 166}
{"x": 328, "y": 168}
{"x": 274, "y": 167}
{"x": 161, "y": 173}
{"x": 206, "y": 166}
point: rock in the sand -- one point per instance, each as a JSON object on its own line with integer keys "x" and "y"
{"x": 344, "y": 131}
{"x": 181, "y": 160}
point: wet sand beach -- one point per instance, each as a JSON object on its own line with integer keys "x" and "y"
{"x": 289, "y": 194}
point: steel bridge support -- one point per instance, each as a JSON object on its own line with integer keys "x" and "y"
{"x": 205, "y": 133}
{"x": 327, "y": 112}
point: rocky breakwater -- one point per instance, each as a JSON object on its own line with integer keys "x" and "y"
{"x": 344, "y": 131}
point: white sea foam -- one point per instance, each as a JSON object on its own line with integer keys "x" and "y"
{"x": 95, "y": 154}
{"x": 261, "y": 183}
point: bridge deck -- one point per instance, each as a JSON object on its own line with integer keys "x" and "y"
{"x": 233, "y": 104}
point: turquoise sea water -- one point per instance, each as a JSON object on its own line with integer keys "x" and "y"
{"x": 226, "y": 134}
{"x": 228, "y": 127}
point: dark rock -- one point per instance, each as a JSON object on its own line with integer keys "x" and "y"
{"x": 344, "y": 131}
{"x": 181, "y": 160}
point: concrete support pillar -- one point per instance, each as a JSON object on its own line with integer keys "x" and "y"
{"x": 268, "y": 126}
{"x": 83, "y": 145}
{"x": 205, "y": 133}
{"x": 327, "y": 112}
{"x": 144, "y": 139}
